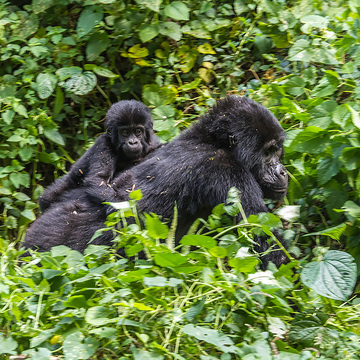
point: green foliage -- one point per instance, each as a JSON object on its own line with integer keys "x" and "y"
{"x": 173, "y": 305}
{"x": 64, "y": 62}
{"x": 334, "y": 276}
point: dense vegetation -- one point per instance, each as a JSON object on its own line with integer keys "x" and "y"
{"x": 63, "y": 62}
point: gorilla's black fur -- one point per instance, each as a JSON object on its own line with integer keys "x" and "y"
{"x": 237, "y": 143}
{"x": 128, "y": 138}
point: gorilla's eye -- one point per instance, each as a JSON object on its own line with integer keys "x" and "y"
{"x": 138, "y": 132}
{"x": 125, "y": 132}
{"x": 272, "y": 151}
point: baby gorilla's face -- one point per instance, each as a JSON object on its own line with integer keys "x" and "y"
{"x": 131, "y": 139}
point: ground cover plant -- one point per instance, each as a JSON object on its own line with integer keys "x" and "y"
{"x": 64, "y": 62}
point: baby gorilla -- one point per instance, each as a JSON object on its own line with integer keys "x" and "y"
{"x": 128, "y": 138}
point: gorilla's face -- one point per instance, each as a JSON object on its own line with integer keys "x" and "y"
{"x": 132, "y": 140}
{"x": 129, "y": 124}
{"x": 272, "y": 176}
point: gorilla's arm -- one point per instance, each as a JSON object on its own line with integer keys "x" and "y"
{"x": 94, "y": 168}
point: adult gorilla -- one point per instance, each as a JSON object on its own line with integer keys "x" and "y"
{"x": 237, "y": 143}
{"x": 128, "y": 138}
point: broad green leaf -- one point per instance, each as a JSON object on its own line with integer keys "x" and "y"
{"x": 300, "y": 51}
{"x": 309, "y": 329}
{"x": 105, "y": 332}
{"x": 45, "y": 85}
{"x": 28, "y": 25}
{"x": 53, "y": 135}
{"x": 146, "y": 355}
{"x": 295, "y": 86}
{"x": 39, "y": 339}
{"x": 21, "y": 110}
{"x": 191, "y": 85}
{"x": 99, "y": 315}
{"x": 289, "y": 212}
{"x": 216, "y": 23}
{"x": 38, "y": 51}
{"x": 81, "y": 84}
{"x": 333, "y": 277}
{"x": 20, "y": 179}
{"x": 322, "y": 114}
{"x": 335, "y": 197}
{"x": 171, "y": 29}
{"x": 76, "y": 301}
{"x": 98, "y": 70}
{"x": 21, "y": 196}
{"x": 148, "y": 32}
{"x": 350, "y": 157}
{"x": 327, "y": 86}
{"x": 195, "y": 310}
{"x": 7, "y": 345}
{"x": 205, "y": 74}
{"x": 8, "y": 116}
{"x": 245, "y": 265}
{"x": 271, "y": 7}
{"x": 60, "y": 250}
{"x": 124, "y": 205}
{"x": 135, "y": 195}
{"x": 51, "y": 273}
{"x": 354, "y": 116}
{"x": 218, "y": 251}
{"x": 188, "y": 57}
{"x": 66, "y": 72}
{"x": 327, "y": 169}
{"x": 214, "y": 337}
{"x": 132, "y": 276}
{"x": 88, "y": 19}
{"x": 97, "y": 43}
{"x": 26, "y": 153}
{"x": 177, "y": 10}
{"x": 324, "y": 54}
{"x": 233, "y": 203}
{"x": 170, "y": 259}
{"x": 28, "y": 214}
{"x": 163, "y": 112}
{"x": 137, "y": 51}
{"x": 153, "y": 5}
{"x": 142, "y": 307}
{"x": 58, "y": 103}
{"x": 156, "y": 95}
{"x": 156, "y": 229}
{"x": 341, "y": 115}
{"x": 240, "y": 7}
{"x": 206, "y": 242}
{"x": 39, "y": 6}
{"x": 276, "y": 326}
{"x": 334, "y": 232}
{"x": 76, "y": 347}
{"x": 206, "y": 48}
{"x": 312, "y": 140}
{"x": 160, "y": 281}
{"x": 312, "y": 21}
{"x": 268, "y": 219}
{"x": 133, "y": 249}
{"x": 197, "y": 29}
{"x": 352, "y": 209}
{"x": 15, "y": 138}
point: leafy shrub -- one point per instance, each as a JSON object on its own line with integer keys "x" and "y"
{"x": 205, "y": 303}
{"x": 64, "y": 62}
